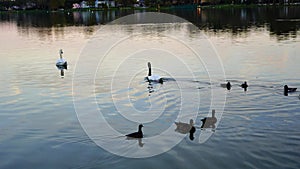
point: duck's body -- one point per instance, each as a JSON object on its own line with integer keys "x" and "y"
{"x": 209, "y": 122}
{"x": 244, "y": 86}
{"x": 227, "y": 85}
{"x": 184, "y": 128}
{"x": 287, "y": 89}
{"x": 153, "y": 78}
{"x": 138, "y": 134}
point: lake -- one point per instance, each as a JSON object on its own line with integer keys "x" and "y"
{"x": 77, "y": 117}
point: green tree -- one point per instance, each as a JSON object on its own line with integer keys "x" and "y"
{"x": 55, "y": 4}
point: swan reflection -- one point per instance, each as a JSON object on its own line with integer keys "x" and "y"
{"x": 62, "y": 69}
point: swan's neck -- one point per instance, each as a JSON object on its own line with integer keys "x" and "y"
{"x": 149, "y": 69}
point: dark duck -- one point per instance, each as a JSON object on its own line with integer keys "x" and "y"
{"x": 138, "y": 134}
{"x": 227, "y": 85}
{"x": 287, "y": 89}
{"x": 244, "y": 86}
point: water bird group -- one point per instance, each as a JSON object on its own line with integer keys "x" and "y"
{"x": 228, "y": 85}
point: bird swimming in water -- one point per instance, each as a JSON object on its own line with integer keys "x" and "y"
{"x": 244, "y": 86}
{"x": 61, "y": 62}
{"x": 209, "y": 122}
{"x": 227, "y": 85}
{"x": 184, "y": 128}
{"x": 153, "y": 78}
{"x": 287, "y": 89}
{"x": 138, "y": 134}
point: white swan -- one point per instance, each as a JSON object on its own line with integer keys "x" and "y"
{"x": 61, "y": 61}
{"x": 153, "y": 78}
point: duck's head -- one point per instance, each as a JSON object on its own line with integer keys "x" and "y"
{"x": 213, "y": 112}
{"x": 191, "y": 122}
{"x": 61, "y": 51}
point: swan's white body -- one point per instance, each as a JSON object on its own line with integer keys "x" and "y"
{"x": 61, "y": 62}
{"x": 154, "y": 78}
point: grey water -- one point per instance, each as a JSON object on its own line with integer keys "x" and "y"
{"x": 39, "y": 121}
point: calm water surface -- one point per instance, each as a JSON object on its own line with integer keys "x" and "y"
{"x": 259, "y": 128}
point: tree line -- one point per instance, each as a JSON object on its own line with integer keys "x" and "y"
{"x": 68, "y": 4}
{"x": 43, "y": 4}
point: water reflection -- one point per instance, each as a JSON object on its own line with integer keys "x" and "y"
{"x": 62, "y": 69}
{"x": 139, "y": 140}
{"x": 282, "y": 22}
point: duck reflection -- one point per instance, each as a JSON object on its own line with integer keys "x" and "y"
{"x": 185, "y": 128}
{"x": 139, "y": 140}
{"x": 209, "y": 122}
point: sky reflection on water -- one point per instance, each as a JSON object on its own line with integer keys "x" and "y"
{"x": 259, "y": 128}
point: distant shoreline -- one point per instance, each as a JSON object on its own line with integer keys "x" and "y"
{"x": 151, "y": 9}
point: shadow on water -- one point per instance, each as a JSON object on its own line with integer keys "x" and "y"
{"x": 281, "y": 22}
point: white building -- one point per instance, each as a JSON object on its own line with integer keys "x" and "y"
{"x": 108, "y": 3}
